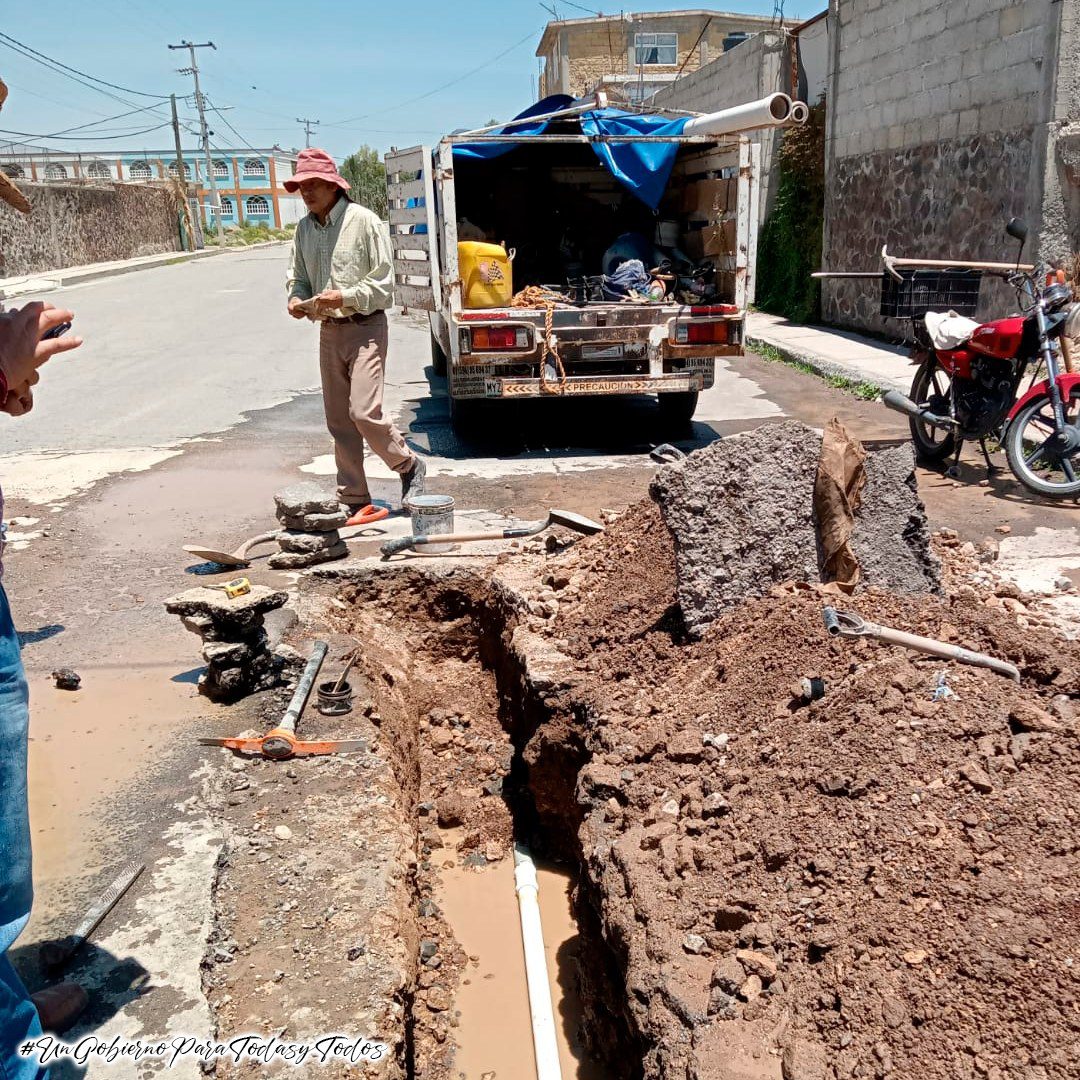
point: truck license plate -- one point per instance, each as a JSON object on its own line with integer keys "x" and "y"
{"x": 632, "y": 351}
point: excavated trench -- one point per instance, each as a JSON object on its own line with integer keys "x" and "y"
{"x": 875, "y": 884}
{"x": 487, "y": 754}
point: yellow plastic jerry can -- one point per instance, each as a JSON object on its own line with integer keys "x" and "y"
{"x": 485, "y": 274}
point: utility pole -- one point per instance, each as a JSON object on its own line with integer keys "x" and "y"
{"x": 307, "y": 129}
{"x": 180, "y": 170}
{"x": 215, "y": 199}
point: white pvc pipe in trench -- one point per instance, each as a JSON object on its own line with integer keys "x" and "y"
{"x": 532, "y": 936}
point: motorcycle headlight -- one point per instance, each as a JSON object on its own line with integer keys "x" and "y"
{"x": 1072, "y": 324}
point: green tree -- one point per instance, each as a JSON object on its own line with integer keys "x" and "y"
{"x": 367, "y": 179}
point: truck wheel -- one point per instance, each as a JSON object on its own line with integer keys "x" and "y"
{"x": 438, "y": 357}
{"x": 677, "y": 410}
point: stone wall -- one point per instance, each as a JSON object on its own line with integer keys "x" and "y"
{"x": 77, "y": 224}
{"x": 938, "y": 132}
{"x": 759, "y": 66}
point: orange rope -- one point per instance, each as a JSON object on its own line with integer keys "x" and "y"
{"x": 533, "y": 296}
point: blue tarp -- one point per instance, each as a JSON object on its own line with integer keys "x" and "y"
{"x": 644, "y": 168}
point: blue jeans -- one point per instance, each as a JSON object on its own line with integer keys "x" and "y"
{"x": 18, "y": 1017}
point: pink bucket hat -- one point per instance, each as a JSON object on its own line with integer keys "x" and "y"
{"x": 315, "y": 165}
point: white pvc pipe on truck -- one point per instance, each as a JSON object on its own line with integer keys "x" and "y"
{"x": 771, "y": 111}
{"x": 800, "y": 112}
{"x": 532, "y": 936}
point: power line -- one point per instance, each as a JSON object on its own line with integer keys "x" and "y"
{"x": 438, "y": 89}
{"x": 98, "y": 123}
{"x": 80, "y": 138}
{"x": 243, "y": 144}
{"x": 92, "y": 78}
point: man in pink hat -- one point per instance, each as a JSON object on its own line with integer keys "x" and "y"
{"x": 343, "y": 266}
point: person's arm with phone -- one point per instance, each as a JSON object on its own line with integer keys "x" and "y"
{"x": 29, "y": 336}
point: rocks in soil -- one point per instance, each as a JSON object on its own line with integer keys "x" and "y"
{"x": 235, "y": 642}
{"x": 881, "y": 880}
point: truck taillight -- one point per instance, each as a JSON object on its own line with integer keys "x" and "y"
{"x": 701, "y": 333}
{"x": 498, "y": 338}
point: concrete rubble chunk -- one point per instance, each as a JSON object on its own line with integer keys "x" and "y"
{"x": 214, "y": 605}
{"x": 235, "y": 643}
{"x": 306, "y": 498}
{"x": 313, "y": 522}
{"x": 892, "y": 536}
{"x": 741, "y": 513}
{"x": 307, "y": 543}
{"x": 288, "y": 560}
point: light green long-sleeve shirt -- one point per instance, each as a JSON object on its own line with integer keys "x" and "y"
{"x": 351, "y": 252}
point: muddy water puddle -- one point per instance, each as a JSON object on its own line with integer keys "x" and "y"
{"x": 86, "y": 747}
{"x": 494, "y": 1035}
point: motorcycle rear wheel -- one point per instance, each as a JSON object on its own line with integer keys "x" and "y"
{"x": 930, "y": 388}
{"x": 1053, "y": 477}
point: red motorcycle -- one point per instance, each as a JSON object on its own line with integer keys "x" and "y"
{"x": 968, "y": 385}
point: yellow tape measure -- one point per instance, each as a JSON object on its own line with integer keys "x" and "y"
{"x": 237, "y": 587}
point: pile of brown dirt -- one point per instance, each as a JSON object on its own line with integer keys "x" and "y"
{"x": 879, "y": 884}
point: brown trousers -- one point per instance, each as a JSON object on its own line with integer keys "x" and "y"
{"x": 352, "y": 358}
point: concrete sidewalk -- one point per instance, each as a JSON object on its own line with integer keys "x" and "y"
{"x": 49, "y": 280}
{"x": 830, "y": 352}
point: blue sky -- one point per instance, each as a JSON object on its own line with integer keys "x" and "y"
{"x": 359, "y": 68}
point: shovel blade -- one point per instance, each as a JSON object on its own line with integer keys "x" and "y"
{"x": 577, "y": 522}
{"x": 222, "y": 558}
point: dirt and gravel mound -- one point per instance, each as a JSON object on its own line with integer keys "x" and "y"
{"x": 757, "y": 509}
{"x": 878, "y": 884}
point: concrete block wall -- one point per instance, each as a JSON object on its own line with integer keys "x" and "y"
{"x": 938, "y": 116}
{"x": 600, "y": 47}
{"x": 916, "y": 71}
{"x": 74, "y": 225}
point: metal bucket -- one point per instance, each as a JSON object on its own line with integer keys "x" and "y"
{"x": 331, "y": 702}
{"x": 432, "y": 515}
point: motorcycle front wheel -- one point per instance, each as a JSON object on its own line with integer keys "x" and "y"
{"x": 1036, "y": 467}
{"x": 930, "y": 389}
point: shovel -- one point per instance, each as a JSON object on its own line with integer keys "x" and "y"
{"x": 231, "y": 558}
{"x": 568, "y": 520}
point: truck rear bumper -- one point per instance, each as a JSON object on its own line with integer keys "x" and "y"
{"x": 498, "y": 386}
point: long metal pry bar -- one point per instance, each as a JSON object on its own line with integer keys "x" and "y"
{"x": 847, "y": 624}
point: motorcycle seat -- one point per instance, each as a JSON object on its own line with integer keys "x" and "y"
{"x": 948, "y": 330}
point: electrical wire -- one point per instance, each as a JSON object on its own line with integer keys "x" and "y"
{"x": 93, "y": 78}
{"x": 243, "y": 144}
{"x": 98, "y": 123}
{"x": 96, "y": 138}
{"x": 438, "y": 89}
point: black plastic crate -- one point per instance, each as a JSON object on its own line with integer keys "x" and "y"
{"x": 921, "y": 291}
